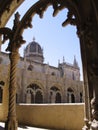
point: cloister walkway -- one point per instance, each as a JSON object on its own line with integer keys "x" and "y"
{"x": 21, "y": 127}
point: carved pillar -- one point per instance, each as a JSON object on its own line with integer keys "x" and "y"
{"x": 89, "y": 49}
{"x": 94, "y": 105}
{"x": 87, "y": 107}
{"x": 28, "y": 97}
{"x": 87, "y": 110}
{"x": 11, "y": 123}
{"x": 24, "y": 83}
{"x": 47, "y": 90}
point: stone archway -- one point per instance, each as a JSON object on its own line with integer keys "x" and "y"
{"x": 55, "y": 95}
{"x": 70, "y": 96}
{"x": 86, "y": 20}
{"x": 34, "y": 94}
{"x": 58, "y": 97}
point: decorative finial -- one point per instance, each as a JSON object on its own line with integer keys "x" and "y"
{"x": 63, "y": 59}
{"x": 33, "y": 38}
{"x": 75, "y": 61}
{"x": 58, "y": 61}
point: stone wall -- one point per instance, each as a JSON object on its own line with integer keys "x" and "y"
{"x": 54, "y": 116}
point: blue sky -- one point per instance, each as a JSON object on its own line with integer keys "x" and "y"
{"x": 56, "y": 41}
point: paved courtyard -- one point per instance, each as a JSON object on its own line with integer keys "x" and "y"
{"x": 21, "y": 127}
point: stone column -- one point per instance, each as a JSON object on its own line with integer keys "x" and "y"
{"x": 87, "y": 117}
{"x": 47, "y": 91}
{"x": 11, "y": 123}
{"x": 28, "y": 97}
{"x": 87, "y": 109}
{"x": 94, "y": 105}
{"x": 24, "y": 82}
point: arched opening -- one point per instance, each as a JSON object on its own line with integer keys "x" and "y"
{"x": 32, "y": 98}
{"x": 56, "y": 49}
{"x": 55, "y": 96}
{"x": 70, "y": 96}
{"x": 58, "y": 97}
{"x": 38, "y": 97}
{"x": 88, "y": 22}
{"x": 35, "y": 93}
{"x": 71, "y": 17}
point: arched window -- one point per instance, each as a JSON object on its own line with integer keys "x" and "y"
{"x": 35, "y": 93}
{"x": 30, "y": 67}
{"x": 32, "y": 98}
{"x": 58, "y": 98}
{"x": 38, "y": 97}
{"x": 55, "y": 96}
{"x": 70, "y": 96}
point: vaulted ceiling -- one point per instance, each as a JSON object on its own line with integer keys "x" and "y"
{"x": 7, "y": 8}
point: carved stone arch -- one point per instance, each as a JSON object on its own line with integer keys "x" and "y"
{"x": 59, "y": 86}
{"x": 58, "y": 97}
{"x": 70, "y": 95}
{"x": 72, "y": 88}
{"x": 34, "y": 93}
{"x": 87, "y": 32}
{"x": 37, "y": 83}
{"x": 55, "y": 94}
{"x": 57, "y": 6}
{"x": 8, "y": 8}
{"x": 39, "y": 96}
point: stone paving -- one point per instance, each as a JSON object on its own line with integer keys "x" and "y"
{"x": 22, "y": 127}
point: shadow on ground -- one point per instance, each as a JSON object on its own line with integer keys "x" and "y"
{"x": 1, "y": 128}
{"x": 24, "y": 127}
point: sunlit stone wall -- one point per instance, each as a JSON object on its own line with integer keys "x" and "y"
{"x": 60, "y": 117}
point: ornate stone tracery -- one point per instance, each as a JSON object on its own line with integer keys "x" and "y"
{"x": 86, "y": 20}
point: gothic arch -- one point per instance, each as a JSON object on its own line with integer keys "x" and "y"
{"x": 58, "y": 97}
{"x": 59, "y": 86}
{"x": 8, "y": 8}
{"x": 86, "y": 20}
{"x": 55, "y": 95}
{"x": 38, "y": 83}
{"x": 72, "y": 88}
{"x": 34, "y": 94}
{"x": 70, "y": 95}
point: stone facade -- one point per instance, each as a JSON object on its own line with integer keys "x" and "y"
{"x": 38, "y": 82}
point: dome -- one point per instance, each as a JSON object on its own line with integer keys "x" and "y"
{"x": 34, "y": 47}
{"x": 33, "y": 51}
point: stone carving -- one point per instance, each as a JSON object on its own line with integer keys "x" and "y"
{"x": 14, "y": 44}
{"x": 86, "y": 20}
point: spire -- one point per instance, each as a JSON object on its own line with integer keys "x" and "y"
{"x": 75, "y": 62}
{"x": 63, "y": 59}
{"x": 58, "y": 61}
{"x": 33, "y": 39}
